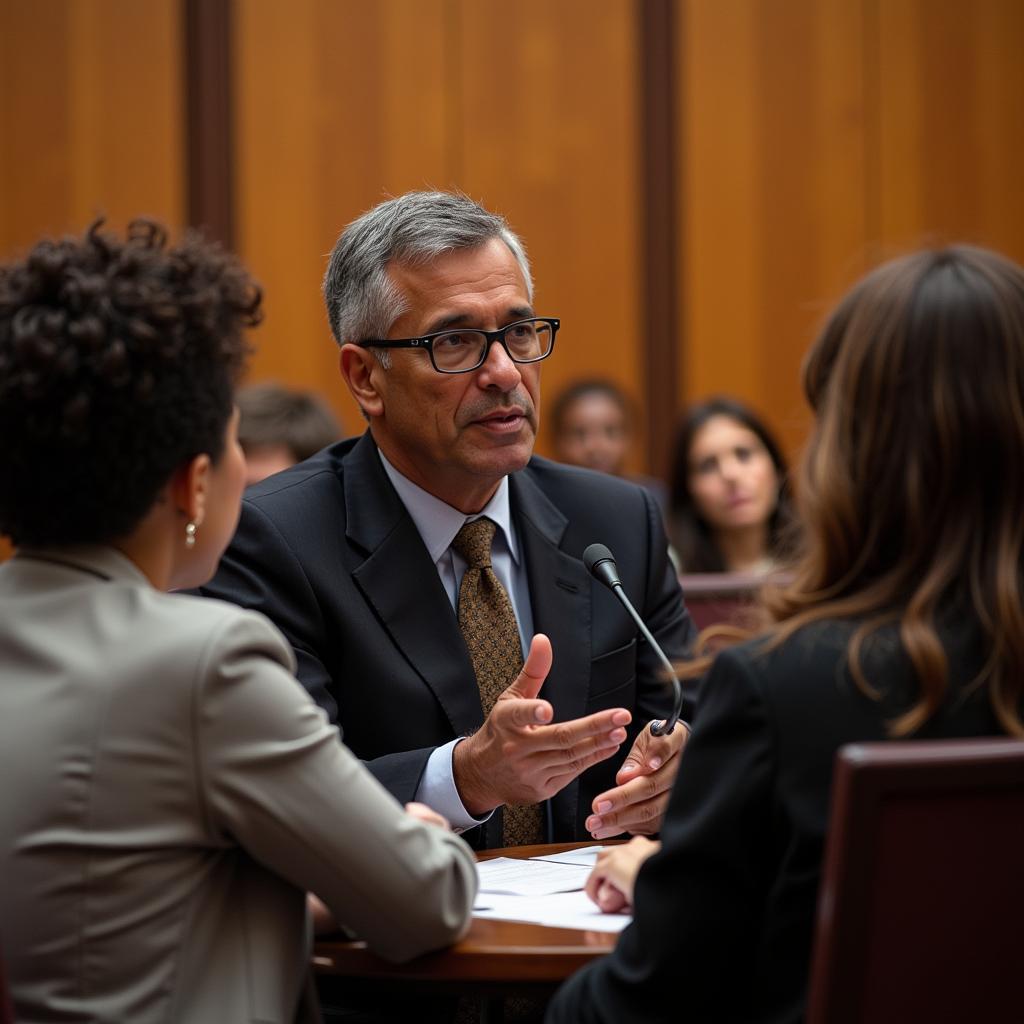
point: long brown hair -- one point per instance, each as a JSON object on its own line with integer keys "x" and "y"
{"x": 911, "y": 488}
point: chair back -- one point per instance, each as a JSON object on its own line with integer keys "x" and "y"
{"x": 720, "y": 597}
{"x": 6, "y": 1009}
{"x": 921, "y": 907}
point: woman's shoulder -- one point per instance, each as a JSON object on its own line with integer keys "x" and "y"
{"x": 813, "y": 650}
{"x": 208, "y": 624}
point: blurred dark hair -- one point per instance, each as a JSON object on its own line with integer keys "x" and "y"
{"x": 274, "y": 415}
{"x": 118, "y": 360}
{"x": 691, "y": 535}
{"x": 583, "y": 389}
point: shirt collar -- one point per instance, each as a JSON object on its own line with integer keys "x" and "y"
{"x": 438, "y": 522}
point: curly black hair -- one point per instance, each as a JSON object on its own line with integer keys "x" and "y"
{"x": 118, "y": 363}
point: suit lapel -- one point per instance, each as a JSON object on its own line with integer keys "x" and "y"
{"x": 402, "y": 585}
{"x": 560, "y": 600}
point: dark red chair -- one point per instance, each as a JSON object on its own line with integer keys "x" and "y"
{"x": 921, "y": 908}
{"x": 720, "y": 597}
{"x": 6, "y": 1009}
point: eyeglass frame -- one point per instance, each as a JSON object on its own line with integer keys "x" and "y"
{"x": 491, "y": 337}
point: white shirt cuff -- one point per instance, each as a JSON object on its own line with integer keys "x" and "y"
{"x": 437, "y": 790}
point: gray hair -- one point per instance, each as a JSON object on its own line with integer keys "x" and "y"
{"x": 413, "y": 229}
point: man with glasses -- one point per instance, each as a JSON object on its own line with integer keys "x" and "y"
{"x": 412, "y": 567}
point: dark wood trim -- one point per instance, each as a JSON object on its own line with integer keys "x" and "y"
{"x": 208, "y": 122}
{"x": 659, "y": 264}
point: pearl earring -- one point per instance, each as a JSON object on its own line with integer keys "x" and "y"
{"x": 190, "y": 534}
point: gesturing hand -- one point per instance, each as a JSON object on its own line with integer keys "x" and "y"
{"x": 638, "y": 801}
{"x": 517, "y": 756}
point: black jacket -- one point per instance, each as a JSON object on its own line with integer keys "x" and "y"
{"x": 724, "y": 914}
{"x": 328, "y": 552}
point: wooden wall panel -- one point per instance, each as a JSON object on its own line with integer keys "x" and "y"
{"x": 343, "y": 103}
{"x": 90, "y": 118}
{"x": 90, "y": 115}
{"x": 773, "y": 203}
{"x": 550, "y": 138}
{"x": 340, "y": 103}
{"x": 948, "y": 128}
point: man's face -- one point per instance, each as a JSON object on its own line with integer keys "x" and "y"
{"x": 457, "y": 435}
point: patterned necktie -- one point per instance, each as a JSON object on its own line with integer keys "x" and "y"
{"x": 488, "y": 624}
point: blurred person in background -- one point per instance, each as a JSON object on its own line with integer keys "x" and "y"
{"x": 592, "y": 427}
{"x": 902, "y": 620}
{"x": 170, "y": 791}
{"x": 279, "y": 426}
{"x": 729, "y": 501}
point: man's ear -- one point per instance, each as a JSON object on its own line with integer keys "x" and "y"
{"x": 190, "y": 488}
{"x": 361, "y": 371}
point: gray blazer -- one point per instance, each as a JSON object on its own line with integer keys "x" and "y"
{"x": 169, "y": 793}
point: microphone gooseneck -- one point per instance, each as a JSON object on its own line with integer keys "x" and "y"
{"x": 600, "y": 563}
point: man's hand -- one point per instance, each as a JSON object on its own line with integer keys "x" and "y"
{"x": 517, "y": 756}
{"x": 610, "y": 884}
{"x": 638, "y": 801}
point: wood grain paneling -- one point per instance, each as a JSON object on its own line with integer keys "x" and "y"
{"x": 339, "y": 104}
{"x": 772, "y": 219}
{"x": 528, "y": 107}
{"x": 90, "y": 115}
{"x": 550, "y": 138}
{"x": 948, "y": 126}
{"x": 818, "y": 138}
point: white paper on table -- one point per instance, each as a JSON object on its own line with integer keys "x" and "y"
{"x": 560, "y": 910}
{"x": 514, "y": 876}
{"x": 586, "y": 856}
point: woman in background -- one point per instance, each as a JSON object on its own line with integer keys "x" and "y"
{"x": 729, "y": 496}
{"x": 904, "y": 618}
{"x": 170, "y": 792}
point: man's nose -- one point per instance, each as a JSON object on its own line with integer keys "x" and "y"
{"x": 498, "y": 370}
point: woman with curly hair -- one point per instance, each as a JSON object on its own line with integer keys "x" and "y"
{"x": 170, "y": 792}
{"x": 729, "y": 500}
{"x": 904, "y": 617}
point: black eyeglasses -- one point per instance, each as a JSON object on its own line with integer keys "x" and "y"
{"x": 460, "y": 351}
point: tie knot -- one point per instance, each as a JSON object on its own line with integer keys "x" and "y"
{"x": 473, "y": 542}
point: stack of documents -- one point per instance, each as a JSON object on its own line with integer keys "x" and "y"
{"x": 543, "y": 890}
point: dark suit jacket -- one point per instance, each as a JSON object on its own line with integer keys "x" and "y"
{"x": 328, "y": 552}
{"x": 724, "y": 913}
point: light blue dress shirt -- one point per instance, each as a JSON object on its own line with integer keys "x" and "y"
{"x": 438, "y": 523}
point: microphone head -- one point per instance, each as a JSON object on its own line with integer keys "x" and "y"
{"x": 600, "y": 563}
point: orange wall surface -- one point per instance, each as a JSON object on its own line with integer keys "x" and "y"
{"x": 529, "y": 107}
{"x": 819, "y": 137}
{"x": 811, "y": 139}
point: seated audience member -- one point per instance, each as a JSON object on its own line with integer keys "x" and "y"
{"x": 902, "y": 619}
{"x": 170, "y": 791}
{"x": 728, "y": 503}
{"x": 592, "y": 427}
{"x": 278, "y": 427}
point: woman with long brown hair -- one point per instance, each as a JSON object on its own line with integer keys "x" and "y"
{"x": 904, "y": 618}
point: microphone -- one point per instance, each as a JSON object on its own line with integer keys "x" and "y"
{"x": 600, "y": 564}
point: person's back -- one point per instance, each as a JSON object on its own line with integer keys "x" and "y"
{"x": 121, "y": 880}
{"x": 171, "y": 793}
{"x": 902, "y": 619}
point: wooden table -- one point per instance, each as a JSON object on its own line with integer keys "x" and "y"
{"x": 494, "y": 958}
